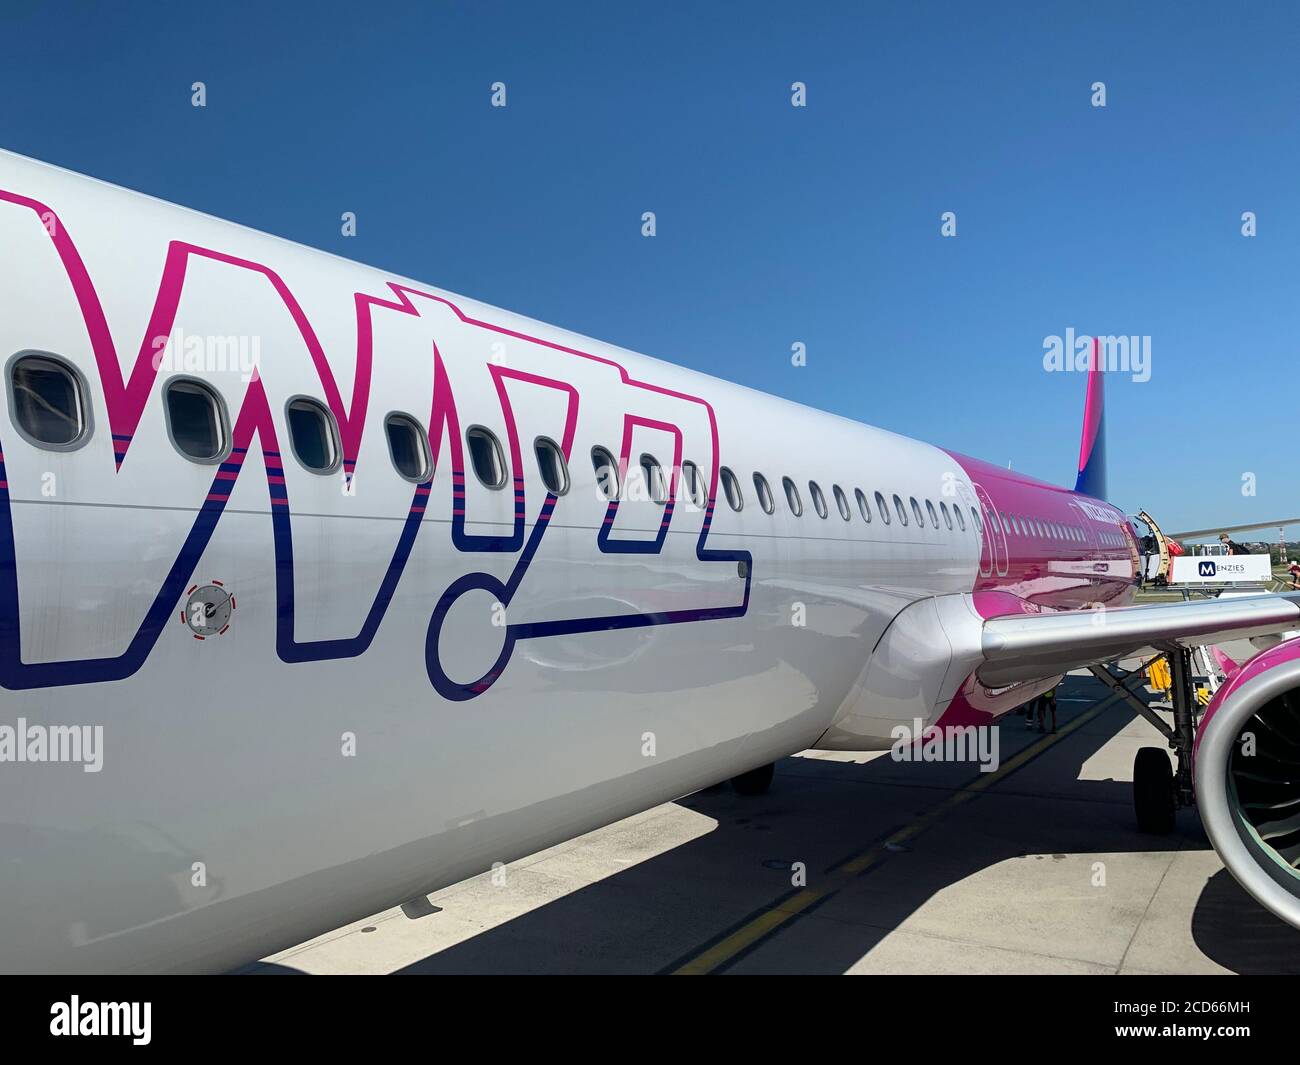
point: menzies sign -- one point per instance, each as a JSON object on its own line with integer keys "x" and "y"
{"x": 1221, "y": 569}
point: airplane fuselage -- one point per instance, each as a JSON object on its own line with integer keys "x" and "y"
{"x": 416, "y": 679}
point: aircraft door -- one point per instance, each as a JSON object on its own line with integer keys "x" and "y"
{"x": 993, "y": 550}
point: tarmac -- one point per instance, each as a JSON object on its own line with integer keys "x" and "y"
{"x": 857, "y": 863}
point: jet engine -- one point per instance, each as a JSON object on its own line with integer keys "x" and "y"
{"x": 1247, "y": 766}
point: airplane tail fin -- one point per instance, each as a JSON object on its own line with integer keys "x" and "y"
{"x": 1092, "y": 450}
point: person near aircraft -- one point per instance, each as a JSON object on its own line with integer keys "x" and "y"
{"x": 1232, "y": 546}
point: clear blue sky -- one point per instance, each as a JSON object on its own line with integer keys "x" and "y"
{"x": 775, "y": 224}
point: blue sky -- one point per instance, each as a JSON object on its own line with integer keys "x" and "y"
{"x": 775, "y": 224}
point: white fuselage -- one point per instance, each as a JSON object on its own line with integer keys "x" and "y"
{"x": 303, "y": 768}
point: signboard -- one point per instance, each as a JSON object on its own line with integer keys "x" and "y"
{"x": 1220, "y": 569}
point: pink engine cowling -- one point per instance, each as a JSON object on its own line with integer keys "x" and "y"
{"x": 1247, "y": 767}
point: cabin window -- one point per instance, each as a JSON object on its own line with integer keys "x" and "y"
{"x": 731, "y": 489}
{"x": 934, "y": 517}
{"x": 864, "y": 508}
{"x": 841, "y": 502}
{"x": 961, "y": 520}
{"x": 792, "y": 497}
{"x": 975, "y": 517}
{"x": 898, "y": 509}
{"x": 819, "y": 500}
{"x": 653, "y": 474}
{"x": 765, "y": 499}
{"x": 48, "y": 402}
{"x": 551, "y": 465}
{"x": 882, "y": 507}
{"x": 196, "y": 420}
{"x": 694, "y": 484}
{"x": 312, "y": 435}
{"x": 947, "y": 518}
{"x": 408, "y": 447}
{"x": 486, "y": 457}
{"x": 916, "y": 512}
{"x": 606, "y": 469}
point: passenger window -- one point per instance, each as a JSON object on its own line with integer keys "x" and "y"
{"x": 486, "y": 457}
{"x": 898, "y": 508}
{"x": 46, "y": 400}
{"x": 961, "y": 520}
{"x": 654, "y": 479}
{"x": 311, "y": 432}
{"x": 842, "y": 502}
{"x": 606, "y": 469}
{"x": 975, "y": 516}
{"x": 819, "y": 500}
{"x": 934, "y": 517}
{"x": 765, "y": 499}
{"x": 551, "y": 465}
{"x": 731, "y": 488}
{"x": 883, "y": 508}
{"x": 947, "y": 518}
{"x": 409, "y": 448}
{"x": 694, "y": 484}
{"x": 864, "y": 508}
{"x": 792, "y": 497}
{"x": 196, "y": 420}
{"x": 916, "y": 512}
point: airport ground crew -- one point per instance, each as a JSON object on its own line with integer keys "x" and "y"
{"x": 1046, "y": 703}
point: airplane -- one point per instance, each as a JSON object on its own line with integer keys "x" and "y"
{"x": 322, "y": 589}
